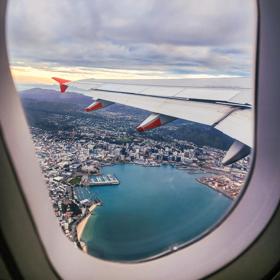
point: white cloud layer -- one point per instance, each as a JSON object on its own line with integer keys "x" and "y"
{"x": 178, "y": 37}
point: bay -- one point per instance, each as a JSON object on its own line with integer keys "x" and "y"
{"x": 153, "y": 210}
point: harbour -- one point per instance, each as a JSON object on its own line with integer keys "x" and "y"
{"x": 151, "y": 211}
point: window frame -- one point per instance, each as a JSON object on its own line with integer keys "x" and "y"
{"x": 241, "y": 228}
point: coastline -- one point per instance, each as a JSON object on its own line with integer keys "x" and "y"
{"x": 132, "y": 227}
{"x": 83, "y": 222}
{"x": 215, "y": 189}
{"x": 81, "y": 226}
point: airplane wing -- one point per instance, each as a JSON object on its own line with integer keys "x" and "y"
{"x": 224, "y": 103}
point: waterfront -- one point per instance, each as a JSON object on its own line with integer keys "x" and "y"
{"x": 69, "y": 158}
{"x": 150, "y": 212}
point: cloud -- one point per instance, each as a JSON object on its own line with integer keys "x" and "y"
{"x": 176, "y": 37}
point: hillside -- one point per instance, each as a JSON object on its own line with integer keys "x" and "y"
{"x": 43, "y": 106}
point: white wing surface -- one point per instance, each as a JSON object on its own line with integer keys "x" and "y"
{"x": 224, "y": 103}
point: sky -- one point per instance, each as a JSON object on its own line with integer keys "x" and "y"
{"x": 129, "y": 39}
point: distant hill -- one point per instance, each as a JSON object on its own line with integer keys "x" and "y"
{"x": 54, "y": 100}
{"x": 39, "y": 104}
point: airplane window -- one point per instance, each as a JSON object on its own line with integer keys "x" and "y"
{"x": 141, "y": 114}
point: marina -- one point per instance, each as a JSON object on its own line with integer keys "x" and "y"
{"x": 103, "y": 180}
{"x": 99, "y": 180}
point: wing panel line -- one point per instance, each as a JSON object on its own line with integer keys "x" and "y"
{"x": 221, "y": 102}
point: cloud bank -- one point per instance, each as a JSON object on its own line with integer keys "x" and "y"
{"x": 153, "y": 37}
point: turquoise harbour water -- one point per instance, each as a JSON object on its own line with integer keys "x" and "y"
{"x": 151, "y": 211}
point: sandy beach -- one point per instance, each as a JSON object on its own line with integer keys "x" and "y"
{"x": 81, "y": 226}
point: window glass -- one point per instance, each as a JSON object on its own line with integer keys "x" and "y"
{"x": 168, "y": 153}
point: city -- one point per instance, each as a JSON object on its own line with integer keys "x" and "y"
{"x": 69, "y": 157}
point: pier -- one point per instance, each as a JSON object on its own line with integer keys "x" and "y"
{"x": 104, "y": 180}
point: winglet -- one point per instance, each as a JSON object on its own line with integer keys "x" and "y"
{"x": 62, "y": 83}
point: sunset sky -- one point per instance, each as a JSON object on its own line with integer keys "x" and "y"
{"x": 129, "y": 39}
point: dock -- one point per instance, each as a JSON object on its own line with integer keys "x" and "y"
{"x": 104, "y": 180}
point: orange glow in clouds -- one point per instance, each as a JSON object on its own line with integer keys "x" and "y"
{"x": 36, "y": 75}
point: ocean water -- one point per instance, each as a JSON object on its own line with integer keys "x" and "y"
{"x": 151, "y": 211}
